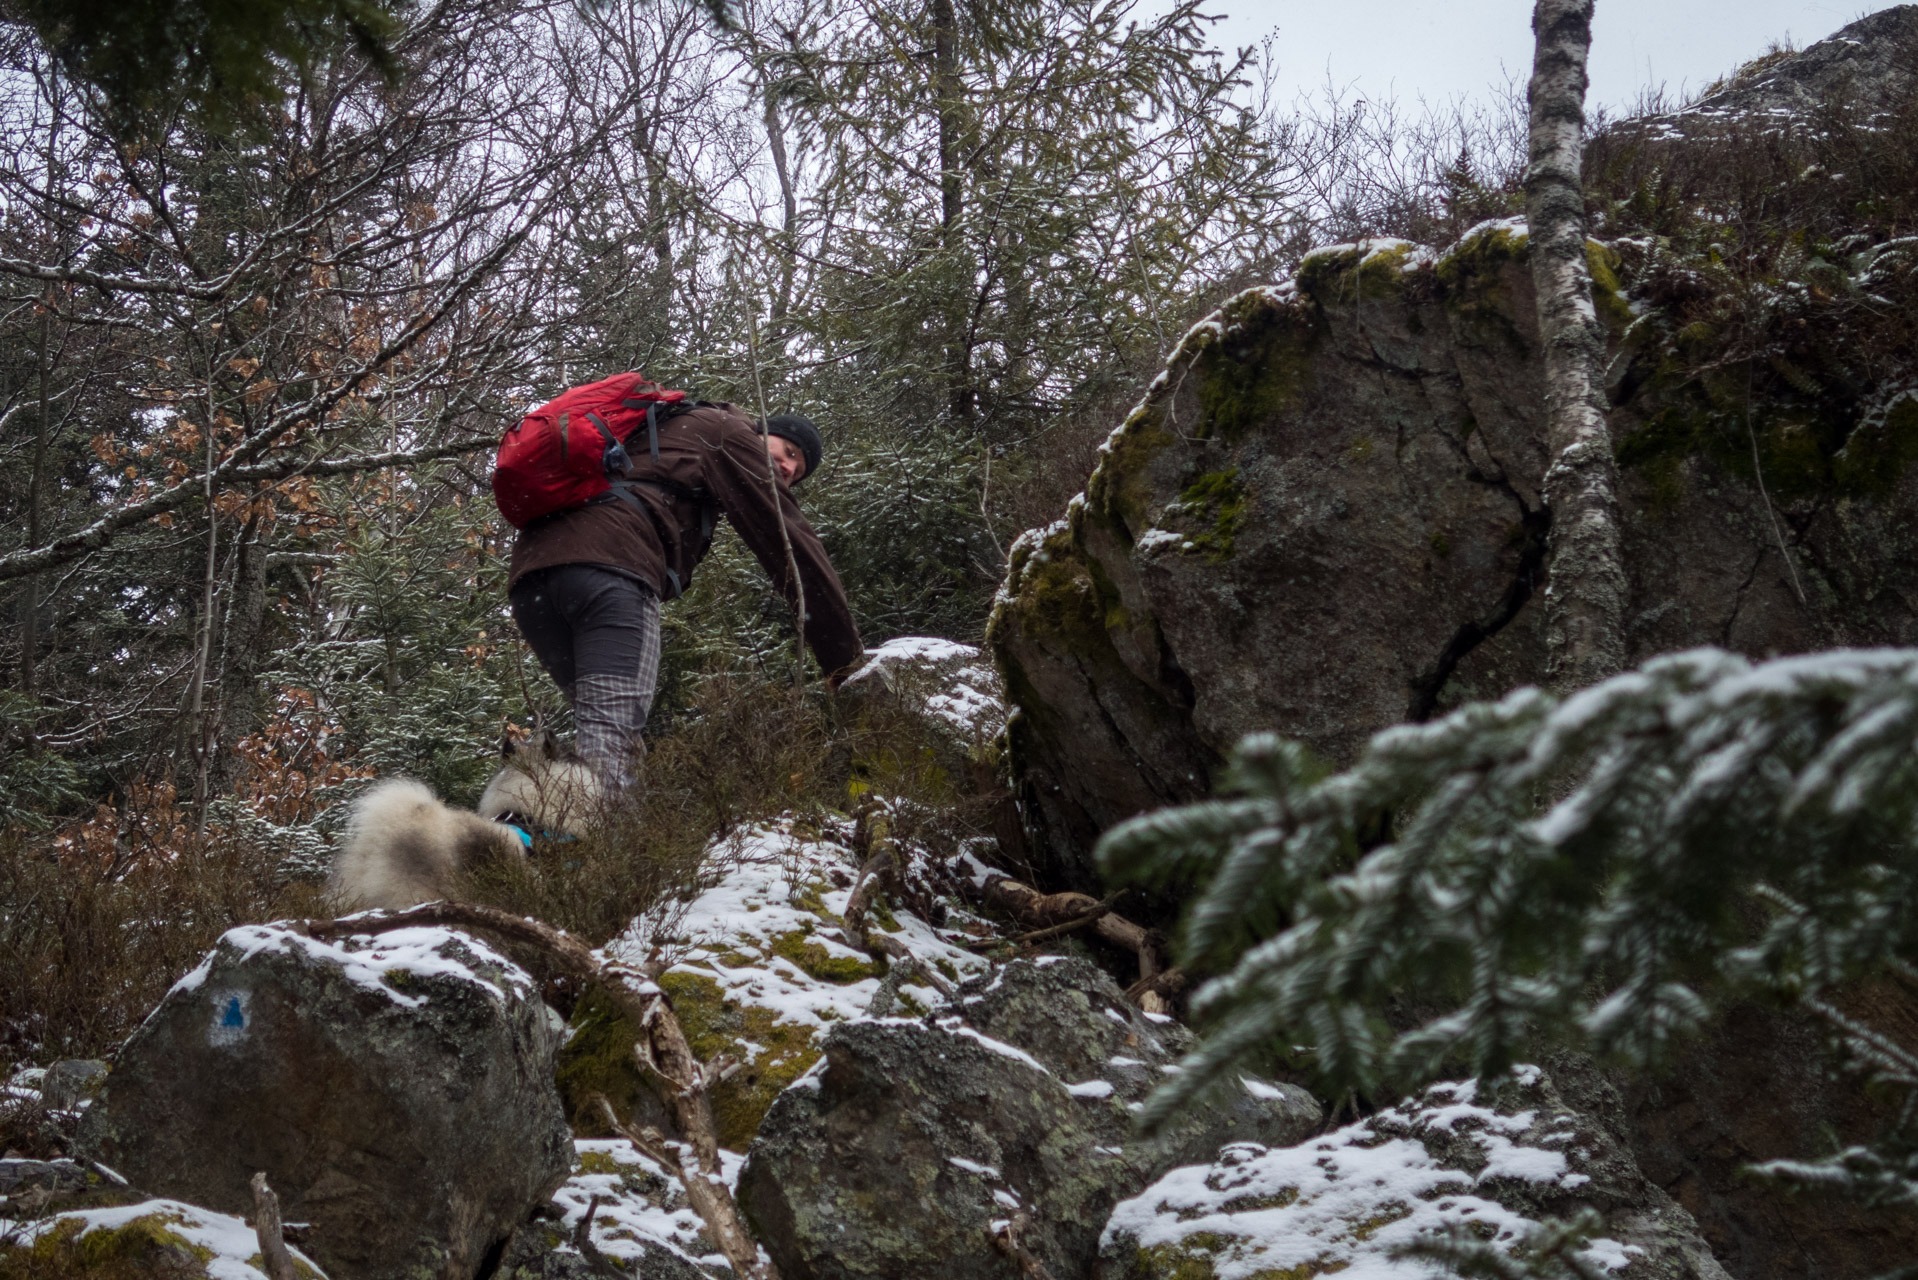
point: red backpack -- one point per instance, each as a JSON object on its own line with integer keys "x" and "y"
{"x": 566, "y": 452}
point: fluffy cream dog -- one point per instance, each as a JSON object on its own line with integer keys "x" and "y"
{"x": 404, "y": 847}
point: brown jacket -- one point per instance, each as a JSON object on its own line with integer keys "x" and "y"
{"x": 712, "y": 462}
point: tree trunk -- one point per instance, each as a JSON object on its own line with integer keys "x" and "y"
{"x": 788, "y": 208}
{"x": 36, "y": 503}
{"x": 946, "y": 91}
{"x": 197, "y": 711}
{"x": 1586, "y": 588}
{"x": 241, "y": 698}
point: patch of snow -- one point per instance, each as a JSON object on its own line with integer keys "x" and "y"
{"x": 1091, "y": 1089}
{"x": 1001, "y": 1047}
{"x": 922, "y": 648}
{"x": 972, "y": 1166}
{"x": 193, "y": 979}
{"x": 969, "y": 698}
{"x": 1154, "y": 541}
{"x": 1345, "y": 1201}
{"x": 228, "y": 1239}
{"x": 630, "y": 1214}
{"x": 369, "y": 960}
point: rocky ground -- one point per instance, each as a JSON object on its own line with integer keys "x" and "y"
{"x": 920, "y": 1083}
{"x": 422, "y": 1112}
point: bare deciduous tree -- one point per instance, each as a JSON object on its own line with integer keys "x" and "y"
{"x": 1586, "y": 593}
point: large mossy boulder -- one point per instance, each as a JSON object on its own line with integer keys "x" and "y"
{"x": 1324, "y": 518}
{"x": 397, "y": 1090}
{"x": 913, "y": 1144}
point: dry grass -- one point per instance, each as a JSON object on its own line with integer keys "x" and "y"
{"x": 87, "y": 950}
{"x": 88, "y": 945}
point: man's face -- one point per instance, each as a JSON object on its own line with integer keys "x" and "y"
{"x": 787, "y": 457}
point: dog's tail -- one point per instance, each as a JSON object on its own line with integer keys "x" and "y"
{"x": 403, "y": 847}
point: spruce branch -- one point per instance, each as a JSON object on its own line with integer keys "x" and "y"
{"x": 1578, "y": 871}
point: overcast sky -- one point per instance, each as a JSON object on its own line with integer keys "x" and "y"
{"x": 1446, "y": 49}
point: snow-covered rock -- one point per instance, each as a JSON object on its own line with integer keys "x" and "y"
{"x": 1450, "y": 1160}
{"x": 758, "y": 971}
{"x": 951, "y": 688}
{"x": 641, "y": 1221}
{"x": 154, "y": 1237}
{"x": 915, "y": 1141}
{"x": 396, "y": 1089}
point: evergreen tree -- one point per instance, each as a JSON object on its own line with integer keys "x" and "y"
{"x": 1601, "y": 871}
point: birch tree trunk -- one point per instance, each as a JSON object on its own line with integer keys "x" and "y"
{"x": 1585, "y": 592}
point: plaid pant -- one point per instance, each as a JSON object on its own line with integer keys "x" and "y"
{"x": 597, "y": 634}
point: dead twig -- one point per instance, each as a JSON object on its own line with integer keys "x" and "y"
{"x": 583, "y": 1242}
{"x": 275, "y": 1257}
{"x": 1006, "y": 1241}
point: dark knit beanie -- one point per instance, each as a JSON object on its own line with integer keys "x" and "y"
{"x": 790, "y": 426}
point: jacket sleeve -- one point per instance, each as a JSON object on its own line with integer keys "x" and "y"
{"x": 738, "y": 481}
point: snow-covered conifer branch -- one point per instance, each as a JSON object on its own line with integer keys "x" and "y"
{"x": 1604, "y": 870}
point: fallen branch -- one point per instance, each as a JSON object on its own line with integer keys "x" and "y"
{"x": 864, "y": 887}
{"x": 275, "y": 1258}
{"x": 1166, "y": 983}
{"x": 1051, "y": 931}
{"x": 1053, "y": 913}
{"x": 705, "y": 1192}
{"x": 880, "y": 869}
{"x": 662, "y": 1050}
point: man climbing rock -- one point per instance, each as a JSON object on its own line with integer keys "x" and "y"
{"x": 587, "y": 580}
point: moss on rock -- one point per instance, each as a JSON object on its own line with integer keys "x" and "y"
{"x": 1371, "y": 269}
{"x": 151, "y": 1246}
{"x": 1259, "y": 370}
{"x": 771, "y": 1054}
{"x": 1053, "y": 597}
{"x": 597, "y": 1058}
{"x": 1218, "y": 501}
{"x": 817, "y": 962}
{"x": 1120, "y": 490}
{"x": 1801, "y": 451}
